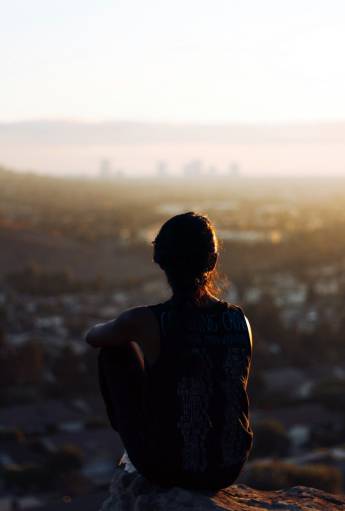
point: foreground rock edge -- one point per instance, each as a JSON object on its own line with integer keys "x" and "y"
{"x": 132, "y": 492}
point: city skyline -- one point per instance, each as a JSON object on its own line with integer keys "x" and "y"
{"x": 135, "y": 148}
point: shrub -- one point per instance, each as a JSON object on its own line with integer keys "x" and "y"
{"x": 274, "y": 475}
{"x": 67, "y": 458}
{"x": 25, "y": 477}
{"x": 330, "y": 392}
{"x": 270, "y": 439}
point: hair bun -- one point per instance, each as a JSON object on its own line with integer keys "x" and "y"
{"x": 186, "y": 249}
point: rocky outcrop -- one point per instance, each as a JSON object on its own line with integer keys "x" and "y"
{"x": 132, "y": 492}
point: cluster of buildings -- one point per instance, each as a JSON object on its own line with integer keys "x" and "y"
{"x": 192, "y": 169}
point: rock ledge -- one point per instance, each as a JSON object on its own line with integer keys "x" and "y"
{"x": 132, "y": 492}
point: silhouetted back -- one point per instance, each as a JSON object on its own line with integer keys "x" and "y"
{"x": 196, "y": 392}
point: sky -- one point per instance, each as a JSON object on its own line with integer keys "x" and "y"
{"x": 204, "y": 61}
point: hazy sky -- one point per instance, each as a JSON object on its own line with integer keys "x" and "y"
{"x": 180, "y": 60}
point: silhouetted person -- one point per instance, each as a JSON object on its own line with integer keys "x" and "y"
{"x": 180, "y": 404}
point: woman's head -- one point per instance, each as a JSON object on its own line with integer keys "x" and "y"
{"x": 186, "y": 248}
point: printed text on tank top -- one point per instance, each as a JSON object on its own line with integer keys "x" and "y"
{"x": 207, "y": 354}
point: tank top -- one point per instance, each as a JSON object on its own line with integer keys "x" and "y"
{"x": 196, "y": 397}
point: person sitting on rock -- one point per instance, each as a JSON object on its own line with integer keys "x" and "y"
{"x": 174, "y": 375}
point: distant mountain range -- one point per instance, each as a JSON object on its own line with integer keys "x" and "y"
{"x": 78, "y": 147}
{"x": 65, "y": 132}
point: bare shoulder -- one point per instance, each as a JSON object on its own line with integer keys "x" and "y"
{"x": 143, "y": 328}
{"x": 136, "y": 316}
{"x": 140, "y": 321}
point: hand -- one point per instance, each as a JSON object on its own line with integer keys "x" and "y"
{"x": 91, "y": 337}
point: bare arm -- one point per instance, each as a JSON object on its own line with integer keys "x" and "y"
{"x": 119, "y": 331}
{"x": 249, "y": 332}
